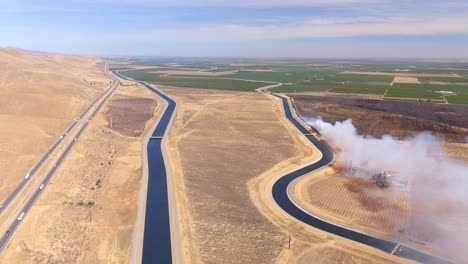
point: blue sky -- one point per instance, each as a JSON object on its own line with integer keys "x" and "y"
{"x": 260, "y": 28}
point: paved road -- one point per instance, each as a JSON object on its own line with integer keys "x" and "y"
{"x": 4, "y": 240}
{"x": 280, "y": 195}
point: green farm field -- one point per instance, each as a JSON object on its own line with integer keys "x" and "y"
{"x": 370, "y": 79}
{"x": 434, "y": 87}
{"x": 361, "y": 89}
{"x": 304, "y": 87}
{"x": 413, "y": 93}
{"x": 203, "y": 83}
{"x": 458, "y": 99}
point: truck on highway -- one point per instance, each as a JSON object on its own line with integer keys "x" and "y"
{"x": 41, "y": 187}
{"x": 20, "y": 216}
{"x": 27, "y": 176}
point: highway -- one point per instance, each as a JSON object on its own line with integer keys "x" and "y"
{"x": 29, "y": 175}
{"x": 281, "y": 197}
{"x": 4, "y": 240}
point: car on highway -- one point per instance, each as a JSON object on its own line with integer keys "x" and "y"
{"x": 20, "y": 216}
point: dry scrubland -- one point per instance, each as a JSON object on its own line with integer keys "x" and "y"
{"x": 226, "y": 149}
{"x": 40, "y": 95}
{"x": 104, "y": 170}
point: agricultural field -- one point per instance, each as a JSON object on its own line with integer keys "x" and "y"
{"x": 413, "y": 93}
{"x": 359, "y": 203}
{"x": 354, "y": 78}
{"x": 332, "y": 87}
{"x": 435, "y": 87}
{"x": 204, "y": 83}
{"x": 442, "y": 79}
{"x": 411, "y": 80}
{"x": 458, "y": 99}
{"x": 360, "y": 89}
{"x": 283, "y": 77}
{"x": 304, "y": 87}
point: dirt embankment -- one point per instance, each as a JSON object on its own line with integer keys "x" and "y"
{"x": 87, "y": 213}
{"x": 40, "y": 96}
{"x": 399, "y": 119}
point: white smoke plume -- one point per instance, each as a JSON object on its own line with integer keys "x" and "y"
{"x": 436, "y": 182}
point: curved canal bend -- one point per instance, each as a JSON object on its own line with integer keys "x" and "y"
{"x": 280, "y": 195}
{"x": 157, "y": 234}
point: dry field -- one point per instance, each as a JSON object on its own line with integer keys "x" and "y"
{"x": 400, "y": 79}
{"x": 104, "y": 169}
{"x": 226, "y": 149}
{"x": 355, "y": 201}
{"x": 218, "y": 142}
{"x": 400, "y": 74}
{"x": 40, "y": 96}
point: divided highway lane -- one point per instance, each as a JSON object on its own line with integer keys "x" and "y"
{"x": 280, "y": 195}
{"x": 11, "y": 196}
{"x": 14, "y": 225}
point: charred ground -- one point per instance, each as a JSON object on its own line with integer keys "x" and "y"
{"x": 378, "y": 117}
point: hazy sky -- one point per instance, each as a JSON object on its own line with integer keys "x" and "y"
{"x": 287, "y": 28}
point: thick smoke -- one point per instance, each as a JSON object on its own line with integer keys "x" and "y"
{"x": 438, "y": 185}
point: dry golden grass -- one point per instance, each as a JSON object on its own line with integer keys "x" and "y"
{"x": 226, "y": 150}
{"x": 219, "y": 141}
{"x": 401, "y": 79}
{"x": 40, "y": 95}
{"x": 104, "y": 167}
